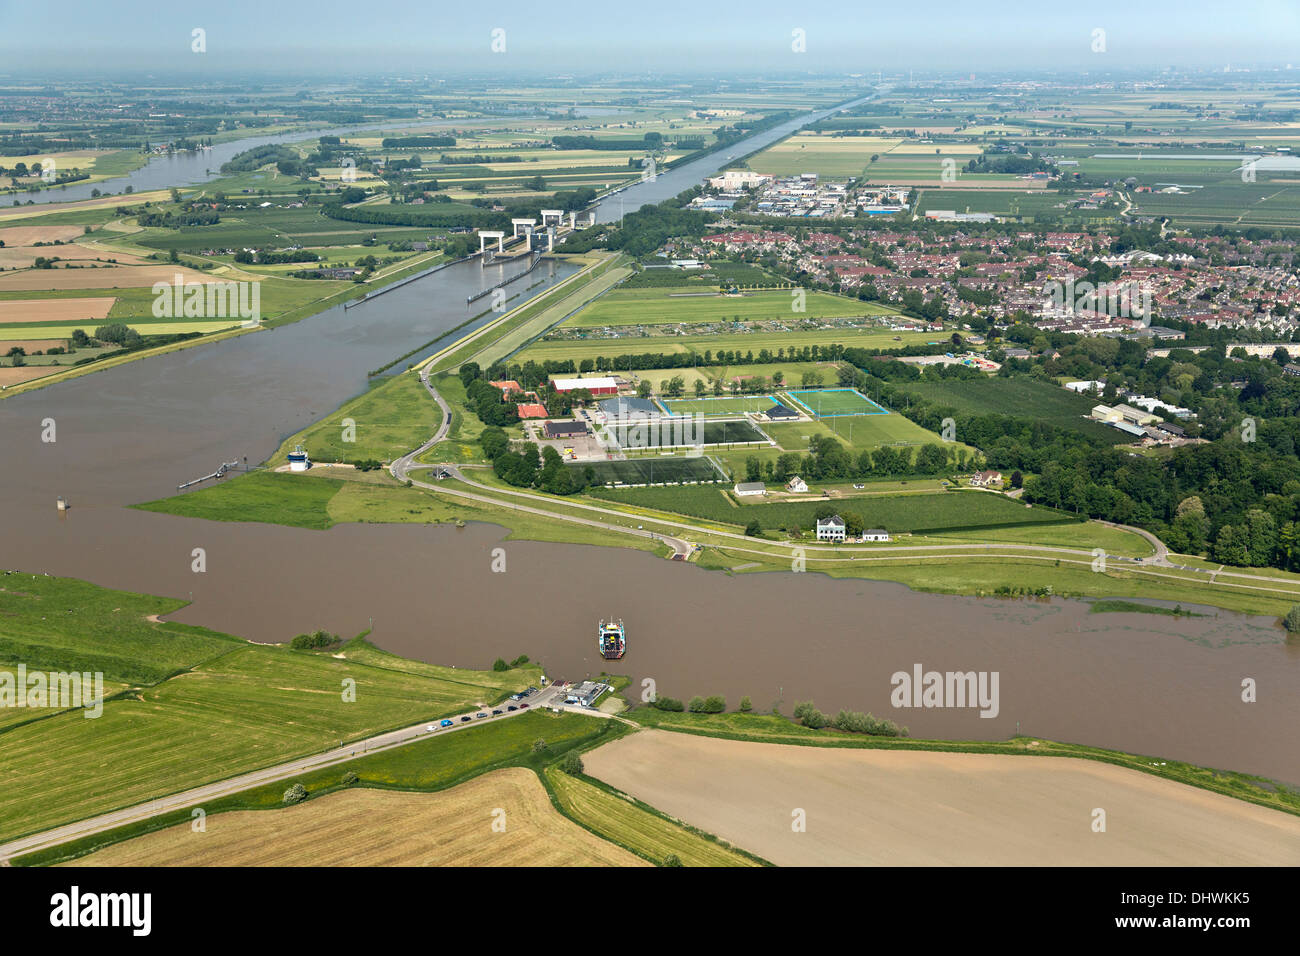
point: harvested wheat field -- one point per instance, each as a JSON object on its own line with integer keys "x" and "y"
{"x": 55, "y": 310}
{"x": 25, "y": 373}
{"x": 915, "y": 808}
{"x": 363, "y": 827}
{"x": 27, "y": 235}
{"x": 103, "y": 277}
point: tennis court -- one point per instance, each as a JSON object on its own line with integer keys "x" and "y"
{"x": 835, "y": 402}
{"x": 722, "y": 405}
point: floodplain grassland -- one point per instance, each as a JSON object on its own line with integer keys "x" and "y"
{"x": 198, "y": 705}
{"x": 396, "y": 415}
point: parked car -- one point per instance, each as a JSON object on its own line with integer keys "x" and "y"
{"x": 497, "y": 712}
{"x": 480, "y": 714}
{"x": 446, "y": 723}
{"x": 512, "y": 707}
{"x": 523, "y": 706}
{"x": 464, "y": 720}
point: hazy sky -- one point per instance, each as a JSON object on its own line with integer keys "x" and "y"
{"x": 50, "y": 36}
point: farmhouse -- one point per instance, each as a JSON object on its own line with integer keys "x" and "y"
{"x": 982, "y": 479}
{"x": 830, "y": 529}
{"x": 796, "y": 485}
{"x": 597, "y": 386}
{"x": 507, "y": 386}
{"x": 747, "y": 488}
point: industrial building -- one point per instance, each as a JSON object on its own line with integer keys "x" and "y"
{"x": 597, "y": 386}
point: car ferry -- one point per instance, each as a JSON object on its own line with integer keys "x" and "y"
{"x": 611, "y": 640}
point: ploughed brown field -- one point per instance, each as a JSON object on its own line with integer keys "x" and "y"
{"x": 913, "y": 808}
{"x": 363, "y": 827}
{"x": 55, "y": 310}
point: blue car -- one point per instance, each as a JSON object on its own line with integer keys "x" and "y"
{"x": 445, "y": 723}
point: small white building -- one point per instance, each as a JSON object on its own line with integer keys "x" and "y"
{"x": 748, "y": 488}
{"x": 796, "y": 485}
{"x": 875, "y": 534}
{"x": 830, "y": 529}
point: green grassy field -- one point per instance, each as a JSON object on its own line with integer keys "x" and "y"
{"x": 271, "y": 497}
{"x": 65, "y": 624}
{"x": 905, "y": 513}
{"x": 857, "y": 431}
{"x": 396, "y": 416}
{"x": 1021, "y": 397}
{"x": 254, "y": 707}
{"x": 744, "y": 342}
{"x": 672, "y": 305}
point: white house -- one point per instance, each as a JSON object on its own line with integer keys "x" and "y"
{"x": 796, "y": 485}
{"x": 830, "y": 529}
{"x": 983, "y": 479}
{"x": 875, "y": 534}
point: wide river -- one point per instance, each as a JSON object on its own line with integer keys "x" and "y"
{"x": 1144, "y": 683}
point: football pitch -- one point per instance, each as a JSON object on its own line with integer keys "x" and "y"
{"x": 836, "y": 402}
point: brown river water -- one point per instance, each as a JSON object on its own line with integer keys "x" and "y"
{"x": 1145, "y": 683}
